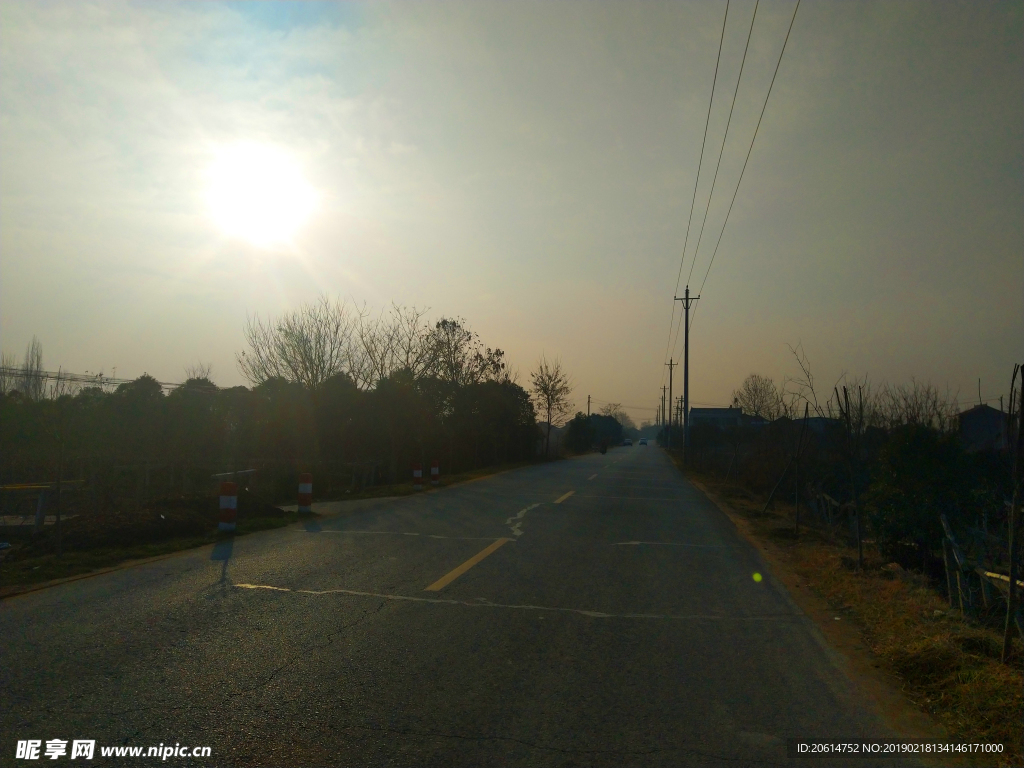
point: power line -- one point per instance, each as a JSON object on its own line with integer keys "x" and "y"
{"x": 721, "y": 152}
{"x": 621, "y": 405}
{"x": 700, "y": 162}
{"x": 749, "y": 150}
{"x": 718, "y": 165}
{"x": 692, "y": 402}
{"x": 88, "y": 379}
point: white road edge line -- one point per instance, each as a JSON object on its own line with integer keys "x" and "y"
{"x": 484, "y": 603}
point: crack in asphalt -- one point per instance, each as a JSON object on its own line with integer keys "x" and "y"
{"x": 329, "y": 641}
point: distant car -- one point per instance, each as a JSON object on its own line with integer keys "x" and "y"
{"x": 643, "y": 441}
{"x": 628, "y": 441}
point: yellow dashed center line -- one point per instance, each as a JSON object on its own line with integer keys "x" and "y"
{"x": 592, "y": 476}
{"x": 448, "y": 578}
{"x": 563, "y": 497}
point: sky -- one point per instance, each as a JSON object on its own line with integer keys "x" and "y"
{"x": 531, "y": 168}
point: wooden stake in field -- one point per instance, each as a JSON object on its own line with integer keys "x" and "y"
{"x": 853, "y": 452}
{"x": 799, "y": 448}
{"x": 1017, "y": 446}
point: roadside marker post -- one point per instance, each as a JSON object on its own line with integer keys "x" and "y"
{"x": 435, "y": 473}
{"x": 228, "y": 506}
{"x": 417, "y": 477}
{"x": 305, "y": 493}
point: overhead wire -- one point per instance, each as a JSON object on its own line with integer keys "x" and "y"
{"x": 718, "y": 165}
{"x": 749, "y": 151}
{"x": 693, "y": 200}
{"x": 721, "y": 152}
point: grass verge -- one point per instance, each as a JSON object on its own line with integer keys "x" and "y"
{"x": 101, "y": 543}
{"x": 27, "y": 568}
{"x": 947, "y": 666}
{"x": 407, "y": 488}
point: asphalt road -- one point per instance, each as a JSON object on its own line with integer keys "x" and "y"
{"x": 619, "y": 625}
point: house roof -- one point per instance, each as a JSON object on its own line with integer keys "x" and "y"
{"x": 982, "y": 411}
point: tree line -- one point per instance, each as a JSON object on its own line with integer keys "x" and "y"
{"x": 893, "y": 452}
{"x": 356, "y": 399}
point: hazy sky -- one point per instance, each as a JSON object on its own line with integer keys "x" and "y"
{"x": 530, "y": 167}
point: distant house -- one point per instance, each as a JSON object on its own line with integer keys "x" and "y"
{"x": 819, "y": 425}
{"x": 756, "y": 422}
{"x": 984, "y": 428}
{"x": 723, "y": 418}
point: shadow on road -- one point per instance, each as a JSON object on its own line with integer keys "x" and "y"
{"x": 222, "y": 551}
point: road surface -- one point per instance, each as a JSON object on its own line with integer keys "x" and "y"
{"x": 598, "y": 611}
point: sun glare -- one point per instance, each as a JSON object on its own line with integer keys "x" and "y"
{"x": 257, "y": 193}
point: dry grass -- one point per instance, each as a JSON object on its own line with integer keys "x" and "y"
{"x": 949, "y": 667}
{"x": 406, "y": 488}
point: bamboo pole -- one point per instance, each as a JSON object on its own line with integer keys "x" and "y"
{"x": 1018, "y": 443}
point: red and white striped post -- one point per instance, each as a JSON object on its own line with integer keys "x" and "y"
{"x": 435, "y": 472}
{"x": 305, "y": 492}
{"x": 228, "y": 506}
{"x": 417, "y": 477}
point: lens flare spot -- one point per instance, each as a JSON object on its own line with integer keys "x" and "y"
{"x": 757, "y": 577}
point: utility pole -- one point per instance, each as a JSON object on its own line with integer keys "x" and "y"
{"x": 588, "y": 406}
{"x": 670, "y": 365}
{"x": 663, "y": 406}
{"x": 687, "y": 302}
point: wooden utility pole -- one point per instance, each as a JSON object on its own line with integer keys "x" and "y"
{"x": 670, "y": 365}
{"x": 588, "y": 406}
{"x": 687, "y": 301}
{"x": 663, "y": 406}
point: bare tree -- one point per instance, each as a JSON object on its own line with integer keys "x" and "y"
{"x": 914, "y": 403}
{"x": 396, "y": 340}
{"x": 616, "y": 411}
{"x": 8, "y": 372}
{"x": 759, "y": 396}
{"x": 802, "y": 389}
{"x": 551, "y": 388}
{"x": 30, "y": 381}
{"x": 61, "y": 386}
{"x": 307, "y": 346}
{"x": 457, "y": 356}
{"x": 199, "y": 370}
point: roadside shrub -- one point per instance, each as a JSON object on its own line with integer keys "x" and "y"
{"x": 580, "y": 434}
{"x": 920, "y": 473}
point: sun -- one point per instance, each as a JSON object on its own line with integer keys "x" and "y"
{"x": 257, "y": 193}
